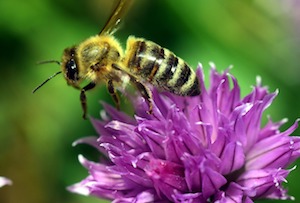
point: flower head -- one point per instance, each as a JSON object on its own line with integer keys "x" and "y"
{"x": 208, "y": 148}
{"x": 4, "y": 181}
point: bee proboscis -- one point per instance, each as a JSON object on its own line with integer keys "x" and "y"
{"x": 101, "y": 58}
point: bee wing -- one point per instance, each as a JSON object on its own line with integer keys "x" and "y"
{"x": 114, "y": 20}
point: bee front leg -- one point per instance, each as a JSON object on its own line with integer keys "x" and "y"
{"x": 112, "y": 91}
{"x": 89, "y": 86}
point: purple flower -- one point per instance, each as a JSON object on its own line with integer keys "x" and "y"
{"x": 208, "y": 148}
{"x": 4, "y": 181}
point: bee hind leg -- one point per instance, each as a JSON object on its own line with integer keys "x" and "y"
{"x": 145, "y": 92}
{"x": 112, "y": 91}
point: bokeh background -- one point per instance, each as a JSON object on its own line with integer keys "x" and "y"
{"x": 257, "y": 37}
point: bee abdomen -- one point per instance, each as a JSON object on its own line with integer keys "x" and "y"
{"x": 161, "y": 67}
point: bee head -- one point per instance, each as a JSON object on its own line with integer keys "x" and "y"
{"x": 70, "y": 67}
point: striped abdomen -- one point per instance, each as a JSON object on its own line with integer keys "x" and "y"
{"x": 160, "y": 67}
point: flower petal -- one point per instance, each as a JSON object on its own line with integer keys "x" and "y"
{"x": 101, "y": 182}
{"x": 189, "y": 198}
{"x": 143, "y": 197}
{"x": 201, "y": 174}
{"x": 166, "y": 176}
{"x": 264, "y": 182}
{"x": 274, "y": 151}
{"x": 233, "y": 158}
{"x": 233, "y": 194}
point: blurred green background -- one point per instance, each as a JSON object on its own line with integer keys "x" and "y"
{"x": 258, "y": 37}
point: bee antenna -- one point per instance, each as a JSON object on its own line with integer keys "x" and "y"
{"x": 52, "y": 76}
{"x": 49, "y": 61}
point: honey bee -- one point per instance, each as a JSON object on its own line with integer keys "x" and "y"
{"x": 101, "y": 59}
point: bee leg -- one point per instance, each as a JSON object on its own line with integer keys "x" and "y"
{"x": 83, "y": 97}
{"x": 145, "y": 92}
{"x": 113, "y": 93}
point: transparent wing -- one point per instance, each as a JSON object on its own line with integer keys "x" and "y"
{"x": 114, "y": 20}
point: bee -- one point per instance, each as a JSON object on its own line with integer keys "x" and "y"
{"x": 101, "y": 59}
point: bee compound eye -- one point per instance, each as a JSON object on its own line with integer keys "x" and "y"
{"x": 71, "y": 70}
